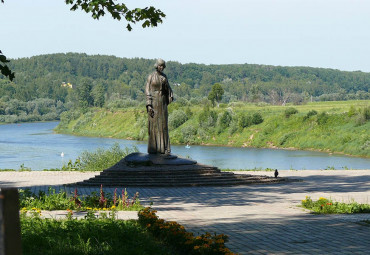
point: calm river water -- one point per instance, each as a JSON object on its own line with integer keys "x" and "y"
{"x": 36, "y": 146}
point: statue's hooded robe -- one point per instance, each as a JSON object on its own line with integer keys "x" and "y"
{"x": 158, "y": 95}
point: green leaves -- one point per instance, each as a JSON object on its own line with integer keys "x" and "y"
{"x": 98, "y": 8}
{"x": 4, "y": 68}
{"x": 3, "y": 59}
{"x": 216, "y": 93}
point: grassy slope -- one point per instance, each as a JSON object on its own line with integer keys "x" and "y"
{"x": 340, "y": 134}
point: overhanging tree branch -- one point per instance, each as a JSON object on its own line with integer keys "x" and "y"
{"x": 4, "y": 69}
{"x": 149, "y": 16}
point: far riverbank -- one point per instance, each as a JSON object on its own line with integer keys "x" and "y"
{"x": 333, "y": 127}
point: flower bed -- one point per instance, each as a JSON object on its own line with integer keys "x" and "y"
{"x": 328, "y": 206}
{"x": 185, "y": 242}
{"x": 51, "y": 200}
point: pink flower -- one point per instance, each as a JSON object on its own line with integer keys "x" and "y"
{"x": 102, "y": 200}
{"x": 115, "y": 197}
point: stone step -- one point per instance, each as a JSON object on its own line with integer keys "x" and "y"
{"x": 177, "y": 178}
{"x": 163, "y": 169}
{"x": 163, "y": 175}
{"x": 175, "y": 183}
{"x": 160, "y": 173}
{"x": 169, "y": 173}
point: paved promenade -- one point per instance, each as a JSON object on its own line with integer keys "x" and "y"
{"x": 259, "y": 219}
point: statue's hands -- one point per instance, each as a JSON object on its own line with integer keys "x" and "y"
{"x": 151, "y": 111}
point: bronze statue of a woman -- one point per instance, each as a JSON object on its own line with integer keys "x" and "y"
{"x": 158, "y": 96}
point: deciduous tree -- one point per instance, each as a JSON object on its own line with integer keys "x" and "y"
{"x": 85, "y": 98}
{"x": 98, "y": 93}
{"x": 216, "y": 93}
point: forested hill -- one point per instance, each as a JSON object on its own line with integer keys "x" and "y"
{"x": 42, "y": 77}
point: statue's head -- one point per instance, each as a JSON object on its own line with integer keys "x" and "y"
{"x": 160, "y": 62}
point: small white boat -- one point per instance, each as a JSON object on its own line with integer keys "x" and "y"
{"x": 187, "y": 146}
{"x": 62, "y": 154}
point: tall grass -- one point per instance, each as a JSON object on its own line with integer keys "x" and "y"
{"x": 102, "y": 159}
{"x": 99, "y": 159}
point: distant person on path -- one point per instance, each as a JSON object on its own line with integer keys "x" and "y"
{"x": 158, "y": 96}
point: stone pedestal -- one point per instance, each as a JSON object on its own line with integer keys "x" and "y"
{"x": 148, "y": 170}
{"x": 137, "y": 158}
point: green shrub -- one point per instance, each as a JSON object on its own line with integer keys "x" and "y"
{"x": 100, "y": 159}
{"x": 233, "y": 127}
{"x": 188, "y": 112}
{"x": 249, "y": 120}
{"x": 182, "y": 101}
{"x": 189, "y": 132}
{"x": 203, "y": 134}
{"x": 224, "y": 120}
{"x": 176, "y": 119}
{"x": 322, "y": 118}
{"x": 207, "y": 118}
{"x": 173, "y": 107}
{"x": 195, "y": 101}
{"x": 366, "y": 113}
{"x": 360, "y": 120}
{"x": 290, "y": 111}
{"x": 244, "y": 121}
{"x": 173, "y": 233}
{"x": 49, "y": 116}
{"x": 351, "y": 111}
{"x": 309, "y": 114}
{"x": 257, "y": 118}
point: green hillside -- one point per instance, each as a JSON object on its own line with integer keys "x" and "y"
{"x": 47, "y": 85}
{"x": 42, "y": 76}
{"x": 339, "y": 127}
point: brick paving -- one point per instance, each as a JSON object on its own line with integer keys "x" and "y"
{"x": 259, "y": 219}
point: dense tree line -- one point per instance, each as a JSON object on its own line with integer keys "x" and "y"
{"x": 119, "y": 82}
{"x": 41, "y": 109}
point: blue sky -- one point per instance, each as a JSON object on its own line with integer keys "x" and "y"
{"x": 318, "y": 33}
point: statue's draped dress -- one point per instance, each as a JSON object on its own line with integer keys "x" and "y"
{"x": 158, "y": 95}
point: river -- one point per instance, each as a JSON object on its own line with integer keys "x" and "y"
{"x": 36, "y": 146}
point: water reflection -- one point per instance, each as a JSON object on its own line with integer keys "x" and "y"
{"x": 36, "y": 146}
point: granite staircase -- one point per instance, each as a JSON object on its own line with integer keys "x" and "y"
{"x": 174, "y": 174}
